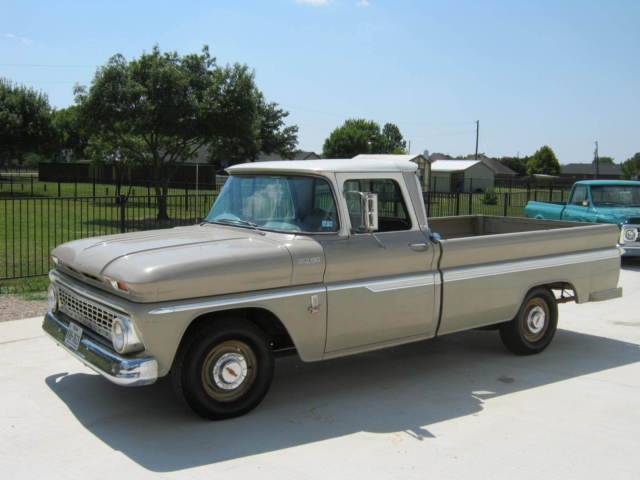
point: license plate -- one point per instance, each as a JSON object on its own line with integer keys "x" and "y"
{"x": 73, "y": 336}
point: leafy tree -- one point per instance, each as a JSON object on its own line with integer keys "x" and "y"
{"x": 358, "y": 135}
{"x": 395, "y": 143}
{"x": 544, "y": 161}
{"x": 72, "y": 137}
{"x": 25, "y": 122}
{"x": 270, "y": 136}
{"x": 605, "y": 161}
{"x": 517, "y": 164}
{"x": 161, "y": 109}
{"x": 631, "y": 167}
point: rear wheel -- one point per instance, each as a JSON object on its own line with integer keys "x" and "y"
{"x": 535, "y": 324}
{"x": 224, "y": 369}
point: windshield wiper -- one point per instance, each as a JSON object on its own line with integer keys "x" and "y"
{"x": 234, "y": 220}
{"x": 238, "y": 222}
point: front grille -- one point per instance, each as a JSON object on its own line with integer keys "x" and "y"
{"x": 91, "y": 314}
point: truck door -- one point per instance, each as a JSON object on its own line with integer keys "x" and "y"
{"x": 578, "y": 208}
{"x": 380, "y": 286}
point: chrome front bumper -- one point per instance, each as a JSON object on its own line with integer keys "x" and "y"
{"x": 114, "y": 367}
{"x": 630, "y": 251}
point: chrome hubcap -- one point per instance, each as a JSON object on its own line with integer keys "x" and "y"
{"x": 230, "y": 371}
{"x": 536, "y": 320}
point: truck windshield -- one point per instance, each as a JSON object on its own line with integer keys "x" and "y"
{"x": 616, "y": 195}
{"x": 288, "y": 203}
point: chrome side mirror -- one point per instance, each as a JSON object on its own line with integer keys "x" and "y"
{"x": 363, "y": 211}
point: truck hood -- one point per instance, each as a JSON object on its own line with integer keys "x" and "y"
{"x": 182, "y": 262}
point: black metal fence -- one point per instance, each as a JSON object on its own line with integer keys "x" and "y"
{"x": 488, "y": 203}
{"x": 30, "y": 227}
{"x": 26, "y": 185}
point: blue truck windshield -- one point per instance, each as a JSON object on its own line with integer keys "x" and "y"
{"x": 616, "y": 195}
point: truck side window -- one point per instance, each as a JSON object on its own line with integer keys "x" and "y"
{"x": 392, "y": 211}
{"x": 579, "y": 195}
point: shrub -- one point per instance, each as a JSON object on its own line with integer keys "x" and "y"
{"x": 490, "y": 197}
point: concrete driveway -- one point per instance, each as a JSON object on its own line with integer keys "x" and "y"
{"x": 455, "y": 407}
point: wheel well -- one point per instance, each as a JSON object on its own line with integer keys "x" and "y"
{"x": 270, "y": 324}
{"x": 559, "y": 289}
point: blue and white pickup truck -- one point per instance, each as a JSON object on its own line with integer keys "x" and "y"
{"x": 599, "y": 201}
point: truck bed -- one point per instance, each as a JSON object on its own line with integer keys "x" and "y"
{"x": 491, "y": 262}
{"x": 479, "y": 225}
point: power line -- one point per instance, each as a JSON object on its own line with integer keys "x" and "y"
{"x": 44, "y": 65}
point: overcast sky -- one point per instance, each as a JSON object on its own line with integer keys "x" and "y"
{"x": 562, "y": 73}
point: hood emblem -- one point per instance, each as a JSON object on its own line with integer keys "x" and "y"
{"x": 309, "y": 260}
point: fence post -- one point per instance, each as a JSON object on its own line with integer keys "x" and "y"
{"x": 551, "y": 192}
{"x": 122, "y": 199}
{"x": 506, "y": 203}
{"x": 428, "y": 196}
{"x": 94, "y": 180}
{"x": 11, "y": 184}
{"x": 31, "y": 178}
{"x": 470, "y": 202}
{"x": 186, "y": 198}
{"x": 59, "y": 188}
{"x": 457, "y": 204}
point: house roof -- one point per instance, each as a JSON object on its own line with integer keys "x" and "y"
{"x": 453, "y": 165}
{"x": 590, "y": 169}
{"x": 497, "y": 167}
{"x": 325, "y": 166}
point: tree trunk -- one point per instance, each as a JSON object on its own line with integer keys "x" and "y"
{"x": 163, "y": 214}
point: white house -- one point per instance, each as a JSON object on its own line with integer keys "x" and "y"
{"x": 460, "y": 176}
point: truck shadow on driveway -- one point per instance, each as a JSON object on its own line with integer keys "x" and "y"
{"x": 403, "y": 389}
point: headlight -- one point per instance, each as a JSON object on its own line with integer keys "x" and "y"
{"x": 630, "y": 234}
{"x": 118, "y": 335}
{"x": 52, "y": 298}
{"x": 124, "y": 337}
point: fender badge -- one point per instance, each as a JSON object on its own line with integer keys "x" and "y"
{"x": 315, "y": 304}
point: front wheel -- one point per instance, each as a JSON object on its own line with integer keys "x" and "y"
{"x": 224, "y": 369}
{"x": 535, "y": 324}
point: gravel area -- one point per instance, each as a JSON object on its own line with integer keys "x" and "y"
{"x": 16, "y": 307}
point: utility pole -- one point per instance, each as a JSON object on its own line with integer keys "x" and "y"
{"x": 596, "y": 160}
{"x": 477, "y": 135}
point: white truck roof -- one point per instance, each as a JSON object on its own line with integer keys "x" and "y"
{"x": 325, "y": 166}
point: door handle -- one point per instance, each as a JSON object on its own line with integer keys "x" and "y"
{"x": 418, "y": 247}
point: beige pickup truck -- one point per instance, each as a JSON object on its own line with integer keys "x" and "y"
{"x": 324, "y": 258}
